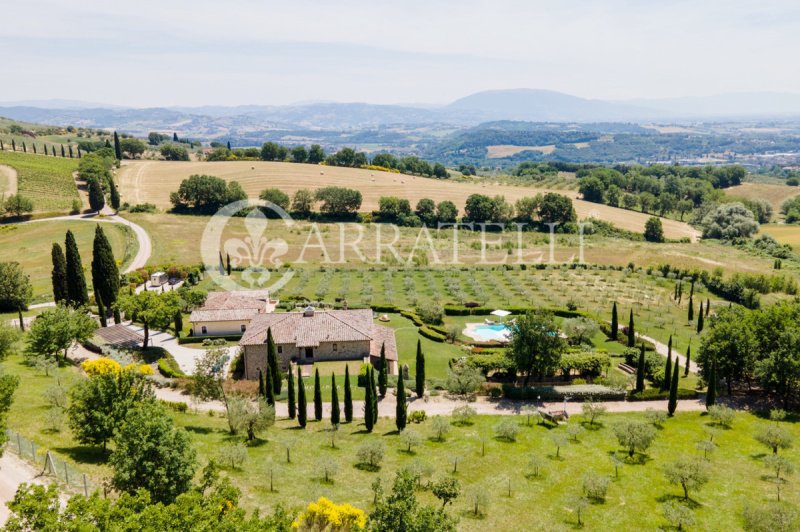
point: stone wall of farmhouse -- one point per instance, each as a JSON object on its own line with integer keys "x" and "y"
{"x": 255, "y": 356}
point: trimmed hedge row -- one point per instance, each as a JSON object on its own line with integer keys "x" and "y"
{"x": 169, "y": 368}
{"x": 430, "y": 334}
{"x": 580, "y": 393}
{"x": 199, "y": 339}
{"x": 654, "y": 394}
{"x": 453, "y": 310}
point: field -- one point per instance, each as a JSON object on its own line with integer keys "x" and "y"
{"x": 30, "y": 245}
{"x": 152, "y": 182}
{"x": 47, "y": 181}
{"x": 176, "y": 239}
{"x": 634, "y": 499}
{"x": 506, "y": 150}
{"x": 783, "y": 233}
{"x": 773, "y": 193}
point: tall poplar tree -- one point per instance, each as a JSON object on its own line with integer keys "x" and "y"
{"x": 631, "y": 331}
{"x": 614, "y": 322}
{"x": 640, "y": 371}
{"x": 335, "y": 413}
{"x": 77, "y": 294}
{"x": 59, "y": 274}
{"x": 302, "y": 412}
{"x": 105, "y": 274}
{"x": 348, "y": 396}
{"x": 420, "y": 373}
{"x": 672, "y": 404}
{"x": 117, "y": 147}
{"x": 401, "y": 410}
{"x": 317, "y": 396}
{"x": 290, "y": 394}
{"x": 383, "y": 377}
{"x": 272, "y": 361}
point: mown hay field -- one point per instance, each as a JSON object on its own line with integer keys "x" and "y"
{"x": 774, "y": 194}
{"x": 152, "y": 182}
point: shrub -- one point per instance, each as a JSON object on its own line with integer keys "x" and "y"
{"x": 507, "y": 430}
{"x": 722, "y": 415}
{"x": 654, "y": 394}
{"x": 370, "y": 455}
{"x": 100, "y": 366}
{"x": 169, "y": 368}
{"x": 440, "y": 427}
{"x": 232, "y": 455}
{"x": 585, "y": 363}
{"x": 595, "y": 392}
{"x": 463, "y": 415}
{"x": 430, "y": 334}
{"x": 417, "y": 416}
{"x": 595, "y": 486}
{"x": 656, "y": 417}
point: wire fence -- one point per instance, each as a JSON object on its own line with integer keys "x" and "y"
{"x": 49, "y": 465}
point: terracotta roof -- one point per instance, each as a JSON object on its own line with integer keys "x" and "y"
{"x": 383, "y": 335}
{"x": 232, "y": 306}
{"x": 309, "y": 331}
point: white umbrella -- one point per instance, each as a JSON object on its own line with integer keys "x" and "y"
{"x": 500, "y": 313}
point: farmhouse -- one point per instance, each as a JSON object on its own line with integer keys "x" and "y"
{"x": 230, "y": 313}
{"x": 317, "y": 335}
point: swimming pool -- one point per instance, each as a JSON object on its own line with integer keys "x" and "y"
{"x": 488, "y": 333}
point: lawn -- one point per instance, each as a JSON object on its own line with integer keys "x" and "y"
{"x": 31, "y": 244}
{"x": 47, "y": 181}
{"x": 633, "y": 501}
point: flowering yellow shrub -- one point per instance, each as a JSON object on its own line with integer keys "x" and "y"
{"x": 100, "y": 366}
{"x": 326, "y": 515}
{"x": 144, "y": 369}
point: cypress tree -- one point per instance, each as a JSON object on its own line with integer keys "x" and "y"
{"x": 178, "y": 323}
{"x": 97, "y": 199}
{"x": 708, "y": 306}
{"x": 221, "y": 265}
{"x": 101, "y": 310}
{"x": 640, "y": 371}
{"x": 668, "y": 366}
{"x": 3, "y": 147}
{"x": 229, "y": 145}
{"x": 59, "y": 274}
{"x": 401, "y": 410}
{"x": 334, "y": 401}
{"x": 113, "y": 194}
{"x": 54, "y": 150}
{"x": 631, "y": 332}
{"x": 711, "y": 392}
{"x": 105, "y": 274}
{"x": 13, "y": 145}
{"x": 79, "y": 152}
{"x": 614, "y": 322}
{"x": 672, "y": 404}
{"x": 34, "y": 148}
{"x": 117, "y": 147}
{"x": 700, "y": 322}
{"x": 175, "y": 137}
{"x": 317, "y": 397}
{"x": 382, "y": 374}
{"x": 675, "y": 295}
{"x": 688, "y": 360}
{"x": 369, "y": 405}
{"x": 420, "y": 376}
{"x": 374, "y": 395}
{"x": 117, "y": 316}
{"x": 228, "y": 256}
{"x": 70, "y": 151}
{"x": 290, "y": 394}
{"x": 691, "y": 291}
{"x": 24, "y": 147}
{"x": 272, "y": 361}
{"x": 77, "y": 295}
{"x": 108, "y": 143}
{"x": 261, "y": 391}
{"x": 62, "y": 151}
{"x": 269, "y": 391}
{"x": 691, "y": 308}
{"x": 348, "y": 396}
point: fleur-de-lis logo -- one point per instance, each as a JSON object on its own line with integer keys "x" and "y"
{"x": 256, "y": 252}
{"x": 256, "y": 255}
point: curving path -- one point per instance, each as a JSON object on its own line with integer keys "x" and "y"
{"x": 663, "y": 349}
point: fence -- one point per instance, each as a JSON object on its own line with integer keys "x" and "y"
{"x": 49, "y": 464}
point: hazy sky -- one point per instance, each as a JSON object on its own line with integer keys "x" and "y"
{"x": 178, "y": 52}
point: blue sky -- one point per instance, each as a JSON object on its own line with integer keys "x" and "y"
{"x": 178, "y": 52}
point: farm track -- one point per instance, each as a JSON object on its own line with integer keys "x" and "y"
{"x": 12, "y": 182}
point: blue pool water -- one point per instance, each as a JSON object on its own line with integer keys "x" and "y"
{"x": 497, "y": 332}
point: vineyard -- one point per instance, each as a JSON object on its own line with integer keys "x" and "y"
{"x": 47, "y": 181}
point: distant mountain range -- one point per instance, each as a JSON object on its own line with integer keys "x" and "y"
{"x": 255, "y": 123}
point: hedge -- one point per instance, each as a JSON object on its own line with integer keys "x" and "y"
{"x": 654, "y": 394}
{"x": 454, "y": 310}
{"x": 199, "y": 339}
{"x": 169, "y": 368}
{"x": 385, "y": 308}
{"x": 413, "y": 317}
{"x": 430, "y": 334}
{"x": 579, "y": 393}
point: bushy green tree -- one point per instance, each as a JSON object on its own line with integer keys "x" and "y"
{"x": 151, "y": 309}
{"x": 16, "y": 291}
{"x": 536, "y": 345}
{"x": 56, "y": 329}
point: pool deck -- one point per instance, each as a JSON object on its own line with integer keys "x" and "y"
{"x": 471, "y": 331}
